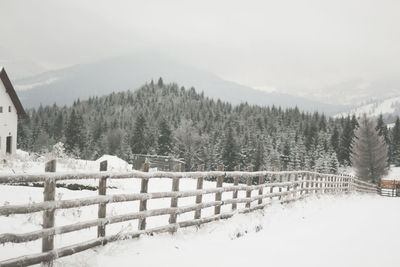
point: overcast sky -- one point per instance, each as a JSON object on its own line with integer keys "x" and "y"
{"x": 293, "y": 46}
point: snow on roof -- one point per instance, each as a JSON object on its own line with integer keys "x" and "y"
{"x": 394, "y": 173}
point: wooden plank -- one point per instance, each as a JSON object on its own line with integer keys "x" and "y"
{"x": 249, "y": 182}
{"x": 199, "y": 198}
{"x": 235, "y": 192}
{"x": 101, "y": 229}
{"x": 261, "y": 180}
{"x": 143, "y": 189}
{"x": 218, "y": 196}
{"x": 48, "y": 215}
{"x": 174, "y": 200}
{"x": 28, "y": 178}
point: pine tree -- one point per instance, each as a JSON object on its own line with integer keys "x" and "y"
{"x": 125, "y": 152}
{"x": 346, "y": 140}
{"x": 335, "y": 139}
{"x": 259, "y": 156}
{"x": 164, "y": 141}
{"x": 160, "y": 83}
{"x": 369, "y": 151}
{"x": 229, "y": 151}
{"x": 333, "y": 163}
{"x": 395, "y": 143}
{"x": 382, "y": 129}
{"x": 58, "y": 127}
{"x": 75, "y": 134}
{"x": 138, "y": 141}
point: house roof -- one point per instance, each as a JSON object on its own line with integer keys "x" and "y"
{"x": 10, "y": 90}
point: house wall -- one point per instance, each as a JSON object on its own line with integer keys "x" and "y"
{"x": 8, "y": 122}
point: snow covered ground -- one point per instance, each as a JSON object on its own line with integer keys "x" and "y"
{"x": 341, "y": 230}
{"x": 347, "y": 230}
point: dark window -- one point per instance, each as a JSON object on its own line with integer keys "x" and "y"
{"x": 9, "y": 108}
{"x": 1, "y": 109}
{"x": 8, "y": 145}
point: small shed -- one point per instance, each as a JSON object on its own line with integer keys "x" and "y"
{"x": 389, "y": 188}
{"x": 162, "y": 163}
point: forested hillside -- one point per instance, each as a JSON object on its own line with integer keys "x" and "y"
{"x": 170, "y": 120}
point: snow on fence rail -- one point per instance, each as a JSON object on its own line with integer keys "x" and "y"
{"x": 285, "y": 186}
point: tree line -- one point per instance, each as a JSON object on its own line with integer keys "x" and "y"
{"x": 166, "y": 119}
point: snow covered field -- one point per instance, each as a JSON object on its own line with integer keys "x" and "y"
{"x": 341, "y": 230}
{"x": 347, "y": 230}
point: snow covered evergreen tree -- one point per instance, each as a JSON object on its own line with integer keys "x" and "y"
{"x": 164, "y": 142}
{"x": 369, "y": 151}
{"x": 346, "y": 140}
{"x": 75, "y": 134}
{"x": 395, "y": 143}
{"x": 229, "y": 153}
{"x": 138, "y": 141}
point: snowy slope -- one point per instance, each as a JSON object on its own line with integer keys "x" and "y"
{"x": 388, "y": 106}
{"x": 346, "y": 231}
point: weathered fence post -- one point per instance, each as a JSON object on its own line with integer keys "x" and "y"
{"x": 218, "y": 195}
{"x": 295, "y": 185}
{"x": 101, "y": 229}
{"x": 199, "y": 198}
{"x": 143, "y": 189}
{"x": 302, "y": 183}
{"x": 272, "y": 179}
{"x": 249, "y": 183}
{"x": 235, "y": 183}
{"x": 341, "y": 183}
{"x": 313, "y": 184}
{"x": 307, "y": 183}
{"x": 334, "y": 184}
{"x": 327, "y": 184}
{"x": 288, "y": 175}
{"x": 316, "y": 184}
{"x": 174, "y": 200}
{"x": 48, "y": 215}
{"x": 280, "y": 186}
{"x": 321, "y": 184}
{"x": 261, "y": 180}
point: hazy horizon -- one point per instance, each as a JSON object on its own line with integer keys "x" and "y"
{"x": 311, "y": 48}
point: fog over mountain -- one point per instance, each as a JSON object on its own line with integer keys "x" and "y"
{"x": 337, "y": 52}
{"x": 129, "y": 72}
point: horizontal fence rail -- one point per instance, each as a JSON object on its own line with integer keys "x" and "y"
{"x": 261, "y": 188}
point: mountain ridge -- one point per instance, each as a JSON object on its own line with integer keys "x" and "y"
{"x": 82, "y": 81}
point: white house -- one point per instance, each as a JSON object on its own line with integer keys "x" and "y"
{"x": 10, "y": 111}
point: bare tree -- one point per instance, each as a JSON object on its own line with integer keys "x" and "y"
{"x": 369, "y": 151}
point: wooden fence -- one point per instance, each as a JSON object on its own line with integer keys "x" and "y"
{"x": 261, "y": 187}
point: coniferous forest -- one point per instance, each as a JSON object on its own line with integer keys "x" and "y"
{"x": 166, "y": 119}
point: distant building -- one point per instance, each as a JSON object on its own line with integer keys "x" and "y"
{"x": 162, "y": 163}
{"x": 10, "y": 111}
